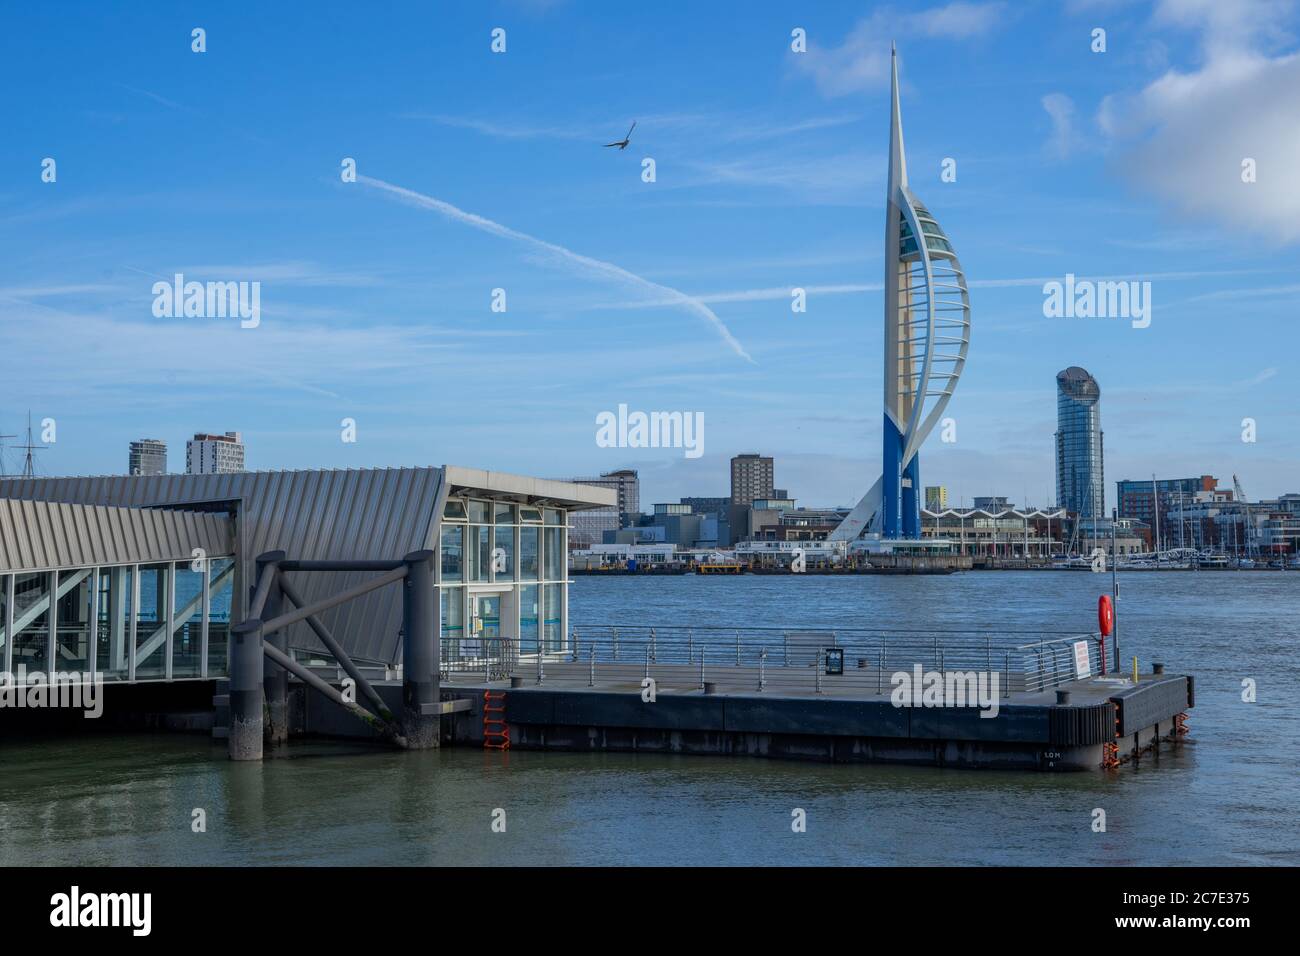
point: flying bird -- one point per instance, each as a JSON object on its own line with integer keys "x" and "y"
{"x": 622, "y": 143}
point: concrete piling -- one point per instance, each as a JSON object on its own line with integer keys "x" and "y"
{"x": 276, "y": 679}
{"x": 247, "y": 693}
{"x": 420, "y": 664}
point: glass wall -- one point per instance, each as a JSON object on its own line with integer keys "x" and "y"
{"x": 31, "y": 621}
{"x": 113, "y": 630}
{"x": 151, "y": 622}
{"x": 528, "y": 618}
{"x": 72, "y": 647}
{"x": 221, "y": 588}
{"x": 519, "y": 547}
{"x": 187, "y": 619}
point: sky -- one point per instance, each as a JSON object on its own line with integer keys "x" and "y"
{"x": 480, "y": 171}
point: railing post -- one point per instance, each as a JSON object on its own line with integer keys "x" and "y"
{"x": 654, "y": 648}
{"x": 591, "y": 665}
{"x": 762, "y": 668}
{"x": 1006, "y": 676}
{"x": 275, "y": 680}
{"x": 647, "y": 662}
{"x": 880, "y": 669}
{"x": 420, "y": 652}
{"x": 703, "y": 648}
{"x": 817, "y": 669}
{"x": 576, "y": 655}
{"x": 541, "y": 667}
{"x": 614, "y": 630}
{"x": 690, "y": 646}
{"x": 737, "y": 647}
{"x": 247, "y": 693}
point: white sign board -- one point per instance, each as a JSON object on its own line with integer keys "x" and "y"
{"x": 1082, "y": 666}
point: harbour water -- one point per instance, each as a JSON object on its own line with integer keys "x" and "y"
{"x": 1229, "y": 796}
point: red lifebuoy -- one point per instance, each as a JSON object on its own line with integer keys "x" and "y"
{"x": 1105, "y": 615}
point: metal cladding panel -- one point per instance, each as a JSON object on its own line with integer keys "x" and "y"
{"x": 349, "y": 514}
{"x": 40, "y": 535}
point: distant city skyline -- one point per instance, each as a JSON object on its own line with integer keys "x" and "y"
{"x": 376, "y": 296}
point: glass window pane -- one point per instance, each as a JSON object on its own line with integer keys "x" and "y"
{"x": 454, "y": 510}
{"x": 554, "y": 516}
{"x": 505, "y": 513}
{"x": 554, "y": 568}
{"x": 453, "y": 548}
{"x": 478, "y": 554}
{"x": 31, "y": 622}
{"x": 553, "y": 622}
{"x": 503, "y": 543}
{"x": 151, "y": 623}
{"x": 528, "y": 599}
{"x": 530, "y": 515}
{"x": 114, "y": 625}
{"x": 72, "y": 648}
{"x": 528, "y": 545}
{"x": 453, "y": 622}
{"x": 221, "y": 589}
{"x": 478, "y": 512}
{"x": 187, "y": 620}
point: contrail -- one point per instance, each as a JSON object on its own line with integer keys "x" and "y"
{"x": 604, "y": 269}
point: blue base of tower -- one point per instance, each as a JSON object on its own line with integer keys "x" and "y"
{"x": 900, "y": 503}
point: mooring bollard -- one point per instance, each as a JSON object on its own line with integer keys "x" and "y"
{"x": 1062, "y": 697}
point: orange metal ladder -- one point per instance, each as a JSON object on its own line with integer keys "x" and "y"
{"x": 496, "y": 733}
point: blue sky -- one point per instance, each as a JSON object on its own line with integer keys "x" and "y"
{"x": 770, "y": 165}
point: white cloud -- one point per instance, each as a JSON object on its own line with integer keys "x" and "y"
{"x": 572, "y": 260}
{"x": 1186, "y": 135}
{"x": 861, "y": 62}
{"x": 1061, "y": 109}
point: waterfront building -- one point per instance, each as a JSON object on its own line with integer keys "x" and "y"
{"x": 620, "y": 554}
{"x": 590, "y": 526}
{"x": 148, "y": 456}
{"x": 214, "y": 454}
{"x": 1138, "y": 499}
{"x": 936, "y": 498}
{"x": 141, "y": 577}
{"x": 752, "y": 477}
{"x": 927, "y": 336}
{"x": 999, "y": 531}
{"x": 1080, "y": 474}
{"x": 993, "y": 503}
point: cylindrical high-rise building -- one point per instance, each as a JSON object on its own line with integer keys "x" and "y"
{"x": 1080, "y": 476}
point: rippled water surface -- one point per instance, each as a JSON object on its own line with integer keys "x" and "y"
{"x": 1230, "y": 796}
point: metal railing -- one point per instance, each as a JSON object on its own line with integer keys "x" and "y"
{"x": 780, "y": 659}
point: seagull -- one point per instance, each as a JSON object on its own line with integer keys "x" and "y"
{"x": 622, "y": 143}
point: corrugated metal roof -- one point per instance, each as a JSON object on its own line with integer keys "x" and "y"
{"x": 361, "y": 514}
{"x": 42, "y": 535}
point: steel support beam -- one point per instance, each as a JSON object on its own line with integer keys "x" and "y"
{"x": 340, "y": 655}
{"x": 293, "y": 617}
{"x": 289, "y": 665}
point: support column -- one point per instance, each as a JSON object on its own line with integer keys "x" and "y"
{"x": 912, "y": 498}
{"x": 275, "y": 680}
{"x": 246, "y": 691}
{"x": 420, "y": 666}
{"x": 890, "y": 481}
